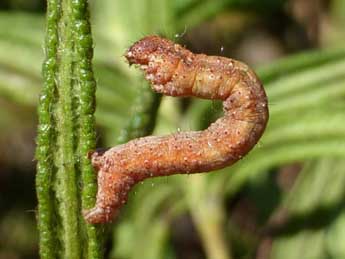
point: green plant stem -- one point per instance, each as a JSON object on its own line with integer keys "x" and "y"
{"x": 67, "y": 191}
{"x": 66, "y": 133}
{"x": 144, "y": 115}
{"x": 87, "y": 138}
{"x": 206, "y": 202}
{"x": 45, "y": 141}
{"x": 208, "y": 215}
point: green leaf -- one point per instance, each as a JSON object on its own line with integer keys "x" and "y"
{"x": 312, "y": 216}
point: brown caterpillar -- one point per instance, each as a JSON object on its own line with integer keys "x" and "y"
{"x": 176, "y": 71}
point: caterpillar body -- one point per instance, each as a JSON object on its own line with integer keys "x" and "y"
{"x": 176, "y": 71}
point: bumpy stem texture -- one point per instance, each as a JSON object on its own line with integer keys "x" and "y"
{"x": 46, "y": 139}
{"x": 65, "y": 135}
{"x": 175, "y": 71}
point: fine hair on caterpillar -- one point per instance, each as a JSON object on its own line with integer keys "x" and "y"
{"x": 175, "y": 71}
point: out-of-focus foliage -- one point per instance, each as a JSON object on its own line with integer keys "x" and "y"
{"x": 306, "y": 100}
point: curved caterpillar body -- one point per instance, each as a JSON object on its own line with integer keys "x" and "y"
{"x": 176, "y": 71}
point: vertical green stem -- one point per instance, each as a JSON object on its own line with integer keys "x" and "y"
{"x": 208, "y": 214}
{"x": 66, "y": 187}
{"x": 210, "y": 222}
{"x": 45, "y": 140}
{"x": 144, "y": 115}
{"x": 205, "y": 200}
{"x": 87, "y": 136}
{"x": 66, "y": 132}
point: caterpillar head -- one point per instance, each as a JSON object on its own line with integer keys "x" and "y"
{"x": 140, "y": 52}
{"x": 156, "y": 56}
{"x": 164, "y": 63}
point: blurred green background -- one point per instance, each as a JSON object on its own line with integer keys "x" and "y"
{"x": 285, "y": 200}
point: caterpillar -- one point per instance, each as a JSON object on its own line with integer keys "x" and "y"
{"x": 175, "y": 71}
